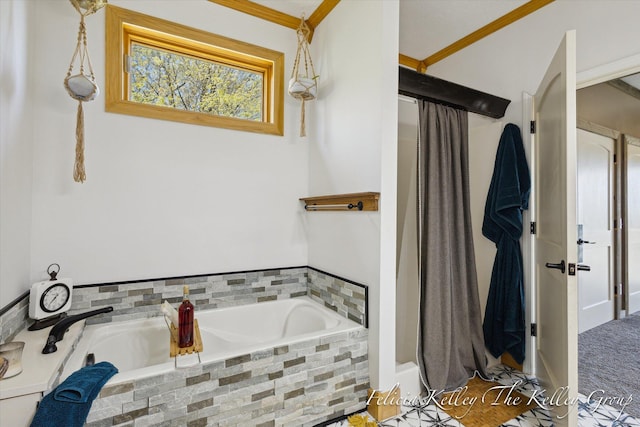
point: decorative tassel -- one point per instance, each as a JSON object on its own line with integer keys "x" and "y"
{"x": 303, "y": 86}
{"x": 303, "y": 130}
{"x": 79, "y": 174}
{"x": 82, "y": 87}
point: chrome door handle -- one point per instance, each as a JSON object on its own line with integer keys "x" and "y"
{"x": 560, "y": 266}
{"x": 583, "y": 267}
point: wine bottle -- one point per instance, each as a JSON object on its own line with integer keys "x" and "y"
{"x": 185, "y": 320}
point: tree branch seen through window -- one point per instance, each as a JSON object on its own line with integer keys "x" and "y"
{"x": 167, "y": 79}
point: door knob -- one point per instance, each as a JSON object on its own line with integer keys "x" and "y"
{"x": 580, "y": 242}
{"x": 560, "y": 266}
{"x": 583, "y": 267}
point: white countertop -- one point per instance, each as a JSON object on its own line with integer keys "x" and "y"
{"x": 39, "y": 370}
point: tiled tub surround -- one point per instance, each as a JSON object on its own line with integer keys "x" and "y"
{"x": 14, "y": 319}
{"x": 304, "y": 383}
{"x": 142, "y": 299}
{"x": 347, "y": 298}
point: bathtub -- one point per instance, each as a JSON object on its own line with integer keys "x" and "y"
{"x": 408, "y": 378}
{"x": 140, "y": 348}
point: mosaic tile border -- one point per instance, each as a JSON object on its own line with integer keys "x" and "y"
{"x": 142, "y": 299}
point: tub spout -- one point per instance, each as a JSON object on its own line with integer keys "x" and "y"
{"x": 59, "y": 329}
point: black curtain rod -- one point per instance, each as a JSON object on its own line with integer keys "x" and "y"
{"x": 422, "y": 86}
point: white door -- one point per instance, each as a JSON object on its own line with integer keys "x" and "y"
{"x": 633, "y": 223}
{"x": 556, "y": 237}
{"x": 595, "y": 220}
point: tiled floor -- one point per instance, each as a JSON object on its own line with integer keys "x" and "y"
{"x": 588, "y": 415}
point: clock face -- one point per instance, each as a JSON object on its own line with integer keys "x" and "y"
{"x": 54, "y": 298}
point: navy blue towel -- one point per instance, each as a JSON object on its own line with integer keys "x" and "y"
{"x": 504, "y": 319}
{"x": 68, "y": 404}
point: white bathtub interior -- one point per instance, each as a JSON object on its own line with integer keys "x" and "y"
{"x": 140, "y": 348}
{"x": 408, "y": 377}
{"x": 134, "y": 350}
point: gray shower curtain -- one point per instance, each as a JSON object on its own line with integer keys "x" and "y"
{"x": 450, "y": 340}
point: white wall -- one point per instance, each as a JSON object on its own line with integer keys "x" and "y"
{"x": 16, "y": 125}
{"x": 484, "y": 136}
{"x": 166, "y": 199}
{"x": 161, "y": 198}
{"x": 353, "y": 148}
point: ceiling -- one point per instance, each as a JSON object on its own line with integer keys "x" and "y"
{"x": 633, "y": 80}
{"x": 611, "y": 107}
{"x": 421, "y": 19}
{"x": 292, "y": 7}
{"x": 427, "y": 26}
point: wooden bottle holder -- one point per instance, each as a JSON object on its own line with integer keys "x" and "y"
{"x": 176, "y": 350}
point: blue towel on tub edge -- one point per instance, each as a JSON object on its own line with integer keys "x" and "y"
{"x": 69, "y": 403}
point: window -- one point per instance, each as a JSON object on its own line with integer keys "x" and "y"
{"x": 164, "y": 70}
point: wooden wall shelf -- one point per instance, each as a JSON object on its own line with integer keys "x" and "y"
{"x": 343, "y": 202}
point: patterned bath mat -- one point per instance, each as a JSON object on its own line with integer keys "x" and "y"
{"x": 482, "y": 403}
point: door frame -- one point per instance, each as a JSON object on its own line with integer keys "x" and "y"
{"x": 608, "y": 71}
{"x": 602, "y": 73}
{"x": 626, "y": 294}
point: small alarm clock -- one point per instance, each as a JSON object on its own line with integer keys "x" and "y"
{"x": 50, "y": 297}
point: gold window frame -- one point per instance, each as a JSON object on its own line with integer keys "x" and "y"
{"x": 124, "y": 27}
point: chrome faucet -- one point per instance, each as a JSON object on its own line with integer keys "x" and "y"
{"x": 57, "y": 332}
